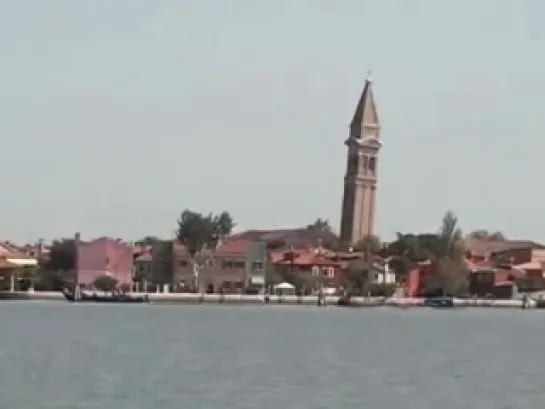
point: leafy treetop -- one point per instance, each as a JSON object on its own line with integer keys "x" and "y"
{"x": 62, "y": 256}
{"x": 147, "y": 241}
{"x": 105, "y": 283}
{"x": 320, "y": 224}
{"x": 486, "y": 235}
{"x": 197, "y": 230}
{"x": 444, "y": 250}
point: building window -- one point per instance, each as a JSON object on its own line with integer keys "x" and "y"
{"x": 257, "y": 265}
{"x": 331, "y": 272}
{"x": 183, "y": 263}
{"x": 373, "y": 164}
{"x": 239, "y": 265}
{"x": 315, "y": 271}
{"x": 227, "y": 264}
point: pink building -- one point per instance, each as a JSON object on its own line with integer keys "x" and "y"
{"x": 103, "y": 256}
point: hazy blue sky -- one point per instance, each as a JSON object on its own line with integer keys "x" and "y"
{"x": 116, "y": 115}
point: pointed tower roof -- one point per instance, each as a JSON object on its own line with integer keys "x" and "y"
{"x": 365, "y": 117}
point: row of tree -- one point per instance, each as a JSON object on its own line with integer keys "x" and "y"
{"x": 443, "y": 250}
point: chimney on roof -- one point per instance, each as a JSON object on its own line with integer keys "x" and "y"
{"x": 77, "y": 237}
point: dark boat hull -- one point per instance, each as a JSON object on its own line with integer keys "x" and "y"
{"x": 440, "y": 302}
{"x": 538, "y": 303}
{"x": 114, "y": 298}
{"x": 347, "y": 301}
{"x": 15, "y": 296}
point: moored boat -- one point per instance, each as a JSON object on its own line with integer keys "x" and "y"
{"x": 359, "y": 302}
{"x": 440, "y": 302}
{"x": 105, "y": 298}
{"x": 539, "y": 303}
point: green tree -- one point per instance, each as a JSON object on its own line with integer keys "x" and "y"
{"x": 447, "y": 255}
{"x": 303, "y": 282}
{"x": 357, "y": 277}
{"x": 222, "y": 225}
{"x": 486, "y": 235}
{"x": 196, "y": 230}
{"x": 443, "y": 249}
{"x": 26, "y": 277}
{"x": 401, "y": 265}
{"x": 49, "y": 280}
{"x": 105, "y": 283}
{"x": 62, "y": 256}
{"x": 147, "y": 241}
{"x": 320, "y": 224}
{"x": 272, "y": 277}
{"x": 369, "y": 245}
{"x": 55, "y": 269}
{"x": 404, "y": 253}
{"x": 408, "y": 246}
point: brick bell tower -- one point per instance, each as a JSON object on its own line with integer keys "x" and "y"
{"x": 360, "y": 181}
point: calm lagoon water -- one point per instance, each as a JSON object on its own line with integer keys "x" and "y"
{"x": 65, "y": 356}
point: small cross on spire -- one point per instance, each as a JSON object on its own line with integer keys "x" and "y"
{"x": 369, "y": 79}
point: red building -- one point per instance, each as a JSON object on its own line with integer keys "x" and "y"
{"x": 318, "y": 266}
{"x": 415, "y": 283}
{"x": 484, "y": 279}
{"x": 103, "y": 256}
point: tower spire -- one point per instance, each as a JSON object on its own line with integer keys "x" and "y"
{"x": 365, "y": 120}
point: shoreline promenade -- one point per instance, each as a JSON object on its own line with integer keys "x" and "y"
{"x": 245, "y": 299}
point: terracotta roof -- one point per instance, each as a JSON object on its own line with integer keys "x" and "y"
{"x": 514, "y": 245}
{"x": 484, "y": 247}
{"x": 19, "y": 256}
{"x": 259, "y": 234}
{"x": 475, "y": 247}
{"x": 4, "y": 264}
{"x": 287, "y": 238}
{"x": 4, "y": 249}
{"x": 306, "y": 257}
{"x": 234, "y": 247}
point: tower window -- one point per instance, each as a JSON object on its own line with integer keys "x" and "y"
{"x": 352, "y": 163}
{"x": 373, "y": 164}
{"x": 365, "y": 162}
